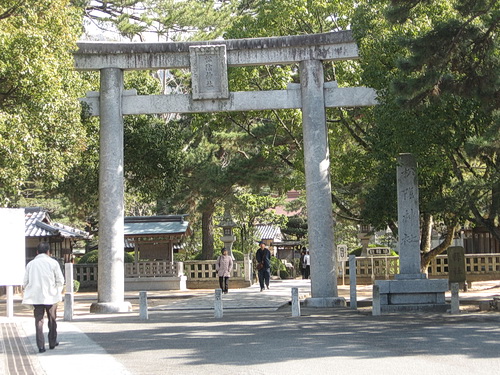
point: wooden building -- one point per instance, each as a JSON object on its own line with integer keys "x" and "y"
{"x": 155, "y": 238}
{"x": 40, "y": 228}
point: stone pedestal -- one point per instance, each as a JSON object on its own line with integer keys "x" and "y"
{"x": 110, "y": 307}
{"x": 325, "y": 302}
{"x": 412, "y": 295}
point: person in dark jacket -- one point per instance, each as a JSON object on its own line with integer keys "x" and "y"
{"x": 263, "y": 257}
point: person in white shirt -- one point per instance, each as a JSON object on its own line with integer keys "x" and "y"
{"x": 307, "y": 262}
{"x": 43, "y": 283}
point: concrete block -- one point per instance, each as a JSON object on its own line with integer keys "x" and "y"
{"x": 413, "y": 286}
{"x": 484, "y": 305}
{"x": 325, "y": 302}
{"x": 412, "y": 298}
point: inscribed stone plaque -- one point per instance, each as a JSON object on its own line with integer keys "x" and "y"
{"x": 408, "y": 215}
{"x": 209, "y": 72}
{"x": 456, "y": 264}
{"x": 342, "y": 254}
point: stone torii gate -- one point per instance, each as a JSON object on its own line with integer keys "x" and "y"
{"x": 208, "y": 62}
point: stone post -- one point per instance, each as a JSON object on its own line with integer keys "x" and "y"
{"x": 143, "y": 305}
{"x": 69, "y": 296}
{"x": 353, "y": 299}
{"x": 111, "y": 279}
{"x": 218, "y": 308}
{"x": 408, "y": 218}
{"x": 376, "y": 300}
{"x": 455, "y": 301}
{"x": 295, "y": 302}
{"x": 318, "y": 188}
{"x": 10, "y": 301}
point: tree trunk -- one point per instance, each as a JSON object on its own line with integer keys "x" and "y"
{"x": 207, "y": 234}
{"x": 426, "y": 235}
{"x": 427, "y": 257}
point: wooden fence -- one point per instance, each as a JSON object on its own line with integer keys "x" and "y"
{"x": 478, "y": 267}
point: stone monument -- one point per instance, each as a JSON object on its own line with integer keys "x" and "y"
{"x": 410, "y": 290}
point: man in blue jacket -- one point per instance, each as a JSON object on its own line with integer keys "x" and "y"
{"x": 263, "y": 257}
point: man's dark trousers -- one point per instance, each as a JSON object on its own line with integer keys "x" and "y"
{"x": 39, "y": 313}
{"x": 264, "y": 277}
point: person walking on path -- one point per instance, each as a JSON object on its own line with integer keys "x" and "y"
{"x": 43, "y": 283}
{"x": 302, "y": 265}
{"x": 263, "y": 257}
{"x": 307, "y": 262}
{"x": 224, "y": 267}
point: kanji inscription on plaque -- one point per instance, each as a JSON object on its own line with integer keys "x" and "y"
{"x": 209, "y": 72}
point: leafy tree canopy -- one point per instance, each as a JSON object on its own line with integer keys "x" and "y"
{"x": 40, "y": 129}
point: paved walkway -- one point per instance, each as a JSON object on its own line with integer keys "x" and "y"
{"x": 257, "y": 335}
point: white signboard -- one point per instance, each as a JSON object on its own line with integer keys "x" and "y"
{"x": 342, "y": 254}
{"x": 378, "y": 251}
{"x": 13, "y": 246}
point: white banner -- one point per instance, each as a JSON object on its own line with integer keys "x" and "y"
{"x": 12, "y": 247}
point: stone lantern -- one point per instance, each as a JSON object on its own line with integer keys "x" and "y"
{"x": 365, "y": 234}
{"x": 227, "y": 224}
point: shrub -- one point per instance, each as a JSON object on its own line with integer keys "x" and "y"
{"x": 238, "y": 255}
{"x": 76, "y": 286}
{"x": 92, "y": 257}
{"x": 276, "y": 266}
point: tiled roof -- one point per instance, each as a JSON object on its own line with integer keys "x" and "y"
{"x": 155, "y": 225}
{"x": 268, "y": 232}
{"x": 38, "y": 224}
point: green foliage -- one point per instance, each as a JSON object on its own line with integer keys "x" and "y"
{"x": 76, "y": 286}
{"x": 89, "y": 258}
{"x": 40, "y": 128}
{"x": 284, "y": 274}
{"x": 296, "y": 227}
{"x": 92, "y": 257}
{"x": 435, "y": 65}
{"x": 277, "y": 266}
{"x": 165, "y": 20}
{"x": 238, "y": 255}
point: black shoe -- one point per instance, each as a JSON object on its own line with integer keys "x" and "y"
{"x": 41, "y": 350}
{"x": 52, "y": 347}
{"x": 268, "y": 287}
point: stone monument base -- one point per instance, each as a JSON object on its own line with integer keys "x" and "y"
{"x": 110, "y": 307}
{"x": 325, "y": 302}
{"x": 412, "y": 295}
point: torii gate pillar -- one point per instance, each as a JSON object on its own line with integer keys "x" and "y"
{"x": 111, "y": 277}
{"x": 318, "y": 187}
